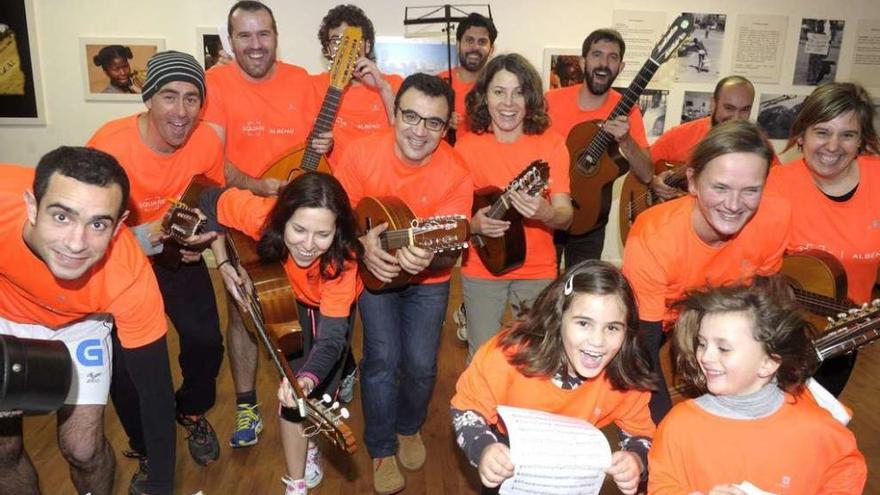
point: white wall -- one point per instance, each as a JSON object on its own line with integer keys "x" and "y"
{"x": 526, "y": 26}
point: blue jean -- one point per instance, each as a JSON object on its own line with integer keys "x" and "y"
{"x": 401, "y": 338}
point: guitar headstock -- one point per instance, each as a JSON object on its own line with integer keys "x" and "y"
{"x": 347, "y": 51}
{"x": 677, "y": 33}
{"x": 181, "y": 222}
{"x": 849, "y": 331}
{"x": 326, "y": 418}
{"x": 532, "y": 180}
{"x": 441, "y": 233}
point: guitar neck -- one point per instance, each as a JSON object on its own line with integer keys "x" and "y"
{"x": 396, "y": 239}
{"x": 499, "y": 207}
{"x": 630, "y": 97}
{"x": 324, "y": 123}
{"x": 819, "y": 304}
{"x": 849, "y": 335}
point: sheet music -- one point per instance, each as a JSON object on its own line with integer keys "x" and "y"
{"x": 554, "y": 454}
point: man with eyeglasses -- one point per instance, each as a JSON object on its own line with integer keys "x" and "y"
{"x": 402, "y": 326}
{"x": 475, "y": 42}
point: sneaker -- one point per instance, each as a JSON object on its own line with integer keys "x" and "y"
{"x": 387, "y": 478}
{"x": 294, "y": 487}
{"x": 460, "y": 319}
{"x": 203, "y": 445}
{"x": 346, "y": 387}
{"x": 411, "y": 451}
{"x": 314, "y": 467}
{"x": 248, "y": 425}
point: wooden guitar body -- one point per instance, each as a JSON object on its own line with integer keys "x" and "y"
{"x": 181, "y": 221}
{"x": 819, "y": 284}
{"x": 293, "y": 163}
{"x": 636, "y": 197}
{"x": 505, "y": 253}
{"x": 372, "y": 212}
{"x": 592, "y": 183}
{"x": 273, "y": 291}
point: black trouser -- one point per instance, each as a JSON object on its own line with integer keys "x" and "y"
{"x": 652, "y": 337}
{"x": 151, "y": 413}
{"x": 578, "y": 248}
{"x": 834, "y": 373}
{"x": 189, "y": 302}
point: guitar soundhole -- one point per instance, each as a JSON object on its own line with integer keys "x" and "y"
{"x": 585, "y": 165}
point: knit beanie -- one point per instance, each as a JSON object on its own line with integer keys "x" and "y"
{"x": 169, "y": 66}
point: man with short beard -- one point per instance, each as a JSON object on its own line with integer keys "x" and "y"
{"x": 261, "y": 108}
{"x": 602, "y": 60}
{"x": 162, "y": 150}
{"x": 475, "y": 42}
{"x": 732, "y": 99}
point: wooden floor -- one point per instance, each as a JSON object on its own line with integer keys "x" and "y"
{"x": 258, "y": 469}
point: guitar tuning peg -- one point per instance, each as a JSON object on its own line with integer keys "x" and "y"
{"x": 335, "y": 405}
{"x": 344, "y": 413}
{"x": 326, "y": 398}
{"x": 841, "y": 315}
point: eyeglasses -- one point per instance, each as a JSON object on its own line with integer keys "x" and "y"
{"x": 431, "y": 123}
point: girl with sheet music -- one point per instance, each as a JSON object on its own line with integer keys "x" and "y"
{"x": 752, "y": 428}
{"x": 574, "y": 353}
{"x": 310, "y": 229}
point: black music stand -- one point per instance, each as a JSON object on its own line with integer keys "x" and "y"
{"x": 446, "y": 14}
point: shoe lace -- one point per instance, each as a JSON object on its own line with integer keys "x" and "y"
{"x": 199, "y": 429}
{"x": 246, "y": 416}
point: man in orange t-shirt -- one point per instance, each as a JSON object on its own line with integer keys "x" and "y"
{"x": 261, "y": 108}
{"x": 162, "y": 150}
{"x": 70, "y": 271}
{"x": 367, "y": 104}
{"x": 724, "y": 232}
{"x": 402, "y": 326}
{"x": 602, "y": 58}
{"x": 474, "y": 42}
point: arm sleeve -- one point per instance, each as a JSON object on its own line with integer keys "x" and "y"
{"x": 849, "y": 472}
{"x": 208, "y": 206}
{"x": 647, "y": 276}
{"x": 472, "y": 433}
{"x": 150, "y": 372}
{"x": 331, "y": 340}
{"x": 637, "y": 127}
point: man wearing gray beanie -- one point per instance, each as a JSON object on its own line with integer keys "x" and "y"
{"x": 162, "y": 150}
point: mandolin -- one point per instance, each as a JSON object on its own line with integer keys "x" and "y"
{"x": 596, "y": 161}
{"x": 437, "y": 234}
{"x": 508, "y": 252}
{"x": 274, "y": 320}
{"x": 636, "y": 196}
{"x": 301, "y": 158}
{"x": 182, "y": 221}
{"x": 849, "y": 331}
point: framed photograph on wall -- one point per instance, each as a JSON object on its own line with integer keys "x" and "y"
{"x": 209, "y": 45}
{"x": 562, "y": 67}
{"x": 115, "y": 68}
{"x": 405, "y": 56}
{"x": 21, "y": 91}
{"x": 777, "y": 112}
{"x": 695, "y": 105}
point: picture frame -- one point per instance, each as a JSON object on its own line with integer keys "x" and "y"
{"x": 405, "y": 56}
{"x": 561, "y": 67}
{"x": 208, "y": 45}
{"x": 21, "y": 88}
{"x": 126, "y": 58}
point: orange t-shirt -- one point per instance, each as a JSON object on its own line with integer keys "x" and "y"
{"x": 461, "y": 89}
{"x": 562, "y": 104}
{"x": 490, "y": 381}
{"x": 798, "y": 450}
{"x": 244, "y": 211}
{"x": 122, "y": 284}
{"x": 493, "y": 163}
{"x": 262, "y": 119}
{"x": 849, "y": 230}
{"x": 155, "y": 177}
{"x": 442, "y": 186}
{"x": 361, "y": 111}
{"x": 664, "y": 258}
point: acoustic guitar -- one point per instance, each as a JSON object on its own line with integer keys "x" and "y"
{"x": 275, "y": 321}
{"x": 596, "y": 161}
{"x": 508, "y": 252}
{"x": 636, "y": 196}
{"x": 182, "y": 221}
{"x": 301, "y": 158}
{"x": 436, "y": 234}
{"x": 818, "y": 281}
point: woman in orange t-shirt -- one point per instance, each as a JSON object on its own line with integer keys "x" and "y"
{"x": 507, "y": 121}
{"x": 753, "y": 427}
{"x": 310, "y": 229}
{"x": 575, "y": 353}
{"x": 836, "y": 187}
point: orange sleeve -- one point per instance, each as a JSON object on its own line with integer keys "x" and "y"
{"x": 637, "y": 127}
{"x": 244, "y": 211}
{"x": 847, "y": 475}
{"x": 482, "y": 385}
{"x": 634, "y": 416}
{"x": 138, "y": 311}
